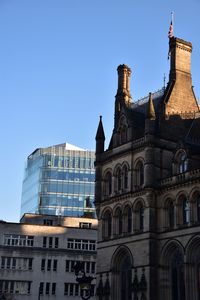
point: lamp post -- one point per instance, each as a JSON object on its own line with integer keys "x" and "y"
{"x": 83, "y": 280}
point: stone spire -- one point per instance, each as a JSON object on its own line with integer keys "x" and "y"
{"x": 150, "y": 109}
{"x": 100, "y": 137}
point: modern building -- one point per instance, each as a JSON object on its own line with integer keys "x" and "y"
{"x": 37, "y": 257}
{"x": 147, "y": 191}
{"x": 59, "y": 180}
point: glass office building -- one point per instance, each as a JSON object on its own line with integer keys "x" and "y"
{"x": 59, "y": 180}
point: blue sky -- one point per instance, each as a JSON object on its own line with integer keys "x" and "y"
{"x": 58, "y": 61}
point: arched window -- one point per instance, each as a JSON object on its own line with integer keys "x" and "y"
{"x": 107, "y": 224}
{"x": 122, "y": 275}
{"x": 139, "y": 217}
{"x": 186, "y": 211}
{"x": 181, "y": 162}
{"x": 139, "y": 174}
{"x": 195, "y": 207}
{"x": 118, "y": 221}
{"x": 177, "y": 276}
{"x": 119, "y": 179}
{"x": 108, "y": 184}
{"x": 170, "y": 214}
{"x": 125, "y": 177}
{"x": 128, "y": 219}
{"x": 183, "y": 210}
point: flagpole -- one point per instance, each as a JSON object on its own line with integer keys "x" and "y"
{"x": 172, "y": 19}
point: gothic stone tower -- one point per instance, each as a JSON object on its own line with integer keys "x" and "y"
{"x": 148, "y": 190}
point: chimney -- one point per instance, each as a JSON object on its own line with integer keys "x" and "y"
{"x": 179, "y": 95}
{"x": 180, "y": 64}
{"x": 123, "y": 91}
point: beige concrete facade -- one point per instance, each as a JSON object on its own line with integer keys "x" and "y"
{"x": 148, "y": 192}
{"x": 36, "y": 257}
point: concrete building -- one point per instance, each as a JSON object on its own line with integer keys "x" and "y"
{"x": 59, "y": 180}
{"x": 37, "y": 256}
{"x": 147, "y": 192}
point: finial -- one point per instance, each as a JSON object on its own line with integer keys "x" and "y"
{"x": 150, "y": 109}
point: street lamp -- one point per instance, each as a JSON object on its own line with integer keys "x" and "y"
{"x": 83, "y": 280}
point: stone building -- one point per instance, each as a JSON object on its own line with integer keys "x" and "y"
{"x": 37, "y": 257}
{"x": 147, "y": 192}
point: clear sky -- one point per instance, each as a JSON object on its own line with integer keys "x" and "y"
{"x": 58, "y": 61}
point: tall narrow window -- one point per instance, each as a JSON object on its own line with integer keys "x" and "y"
{"x": 107, "y": 224}
{"x": 198, "y": 208}
{"x": 171, "y": 214}
{"x": 182, "y": 163}
{"x": 139, "y": 174}
{"x": 177, "y": 277}
{"x": 53, "y": 289}
{"x": 118, "y": 221}
{"x": 108, "y": 184}
{"x": 128, "y": 219}
{"x": 139, "y": 216}
{"x": 186, "y": 211}
{"x": 122, "y": 276}
{"x": 119, "y": 180}
{"x": 125, "y": 177}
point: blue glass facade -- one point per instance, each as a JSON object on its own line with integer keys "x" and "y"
{"x": 59, "y": 180}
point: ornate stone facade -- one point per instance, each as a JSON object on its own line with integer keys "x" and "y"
{"x": 148, "y": 191}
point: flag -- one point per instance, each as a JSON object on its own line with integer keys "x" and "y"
{"x": 170, "y": 33}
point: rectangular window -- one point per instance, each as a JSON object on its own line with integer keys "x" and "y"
{"x": 48, "y": 222}
{"x": 30, "y": 241}
{"x": 43, "y": 264}
{"x": 55, "y": 262}
{"x": 48, "y": 264}
{"x": 76, "y": 289}
{"x": 50, "y": 242}
{"x": 14, "y": 263}
{"x": 41, "y": 289}
{"x": 72, "y": 265}
{"x": 92, "y": 246}
{"x": 85, "y": 225}
{"x": 66, "y": 291}
{"x": 70, "y": 244}
{"x": 29, "y": 287}
{"x": 30, "y": 263}
{"x": 87, "y": 267}
{"x": 18, "y": 240}
{"x": 12, "y": 287}
{"x": 44, "y": 242}
{"x": 8, "y": 262}
{"x": 71, "y": 289}
{"x": 93, "y": 267}
{"x": 56, "y": 242}
{"x": 92, "y": 290}
{"x": 47, "y": 288}
{"x": 53, "y": 290}
{"x": 3, "y": 260}
{"x": 78, "y": 244}
{"x": 67, "y": 265}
